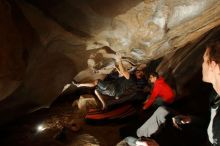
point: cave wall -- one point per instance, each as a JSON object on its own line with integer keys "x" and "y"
{"x": 181, "y": 66}
{"x": 34, "y": 65}
{"x": 16, "y": 41}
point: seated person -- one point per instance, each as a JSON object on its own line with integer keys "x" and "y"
{"x": 127, "y": 82}
{"x": 161, "y": 92}
{"x": 151, "y": 133}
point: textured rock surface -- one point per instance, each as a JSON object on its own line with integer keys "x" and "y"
{"x": 16, "y": 38}
{"x": 141, "y": 29}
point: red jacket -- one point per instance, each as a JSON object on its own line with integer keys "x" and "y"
{"x": 161, "y": 89}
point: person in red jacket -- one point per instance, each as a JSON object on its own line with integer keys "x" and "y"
{"x": 161, "y": 92}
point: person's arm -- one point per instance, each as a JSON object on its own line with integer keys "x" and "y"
{"x": 152, "y": 98}
{"x": 123, "y": 71}
{"x": 121, "y": 68}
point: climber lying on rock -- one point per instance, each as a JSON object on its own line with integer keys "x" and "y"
{"x": 127, "y": 82}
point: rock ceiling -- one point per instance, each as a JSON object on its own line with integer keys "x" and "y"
{"x": 45, "y": 43}
{"x": 140, "y": 29}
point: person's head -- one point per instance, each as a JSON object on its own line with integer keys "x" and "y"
{"x": 211, "y": 65}
{"x": 153, "y": 76}
{"x": 139, "y": 73}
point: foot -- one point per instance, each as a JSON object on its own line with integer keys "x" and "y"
{"x": 75, "y": 83}
{"x": 116, "y": 98}
{"x": 66, "y": 87}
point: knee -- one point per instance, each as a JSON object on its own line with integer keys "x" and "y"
{"x": 95, "y": 82}
{"x": 138, "y": 132}
{"x": 96, "y": 92}
{"x": 161, "y": 112}
{"x": 161, "y": 109}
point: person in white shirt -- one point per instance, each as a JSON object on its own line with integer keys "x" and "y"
{"x": 211, "y": 74}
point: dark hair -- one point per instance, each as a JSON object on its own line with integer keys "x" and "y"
{"x": 154, "y": 74}
{"x": 213, "y": 51}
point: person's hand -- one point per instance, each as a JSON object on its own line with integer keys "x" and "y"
{"x": 118, "y": 57}
{"x": 181, "y": 120}
{"x": 145, "y": 101}
{"x": 148, "y": 142}
{"x": 144, "y": 107}
{"x": 142, "y": 66}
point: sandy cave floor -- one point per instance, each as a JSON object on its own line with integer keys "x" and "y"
{"x": 23, "y": 132}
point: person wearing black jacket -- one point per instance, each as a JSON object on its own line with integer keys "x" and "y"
{"x": 211, "y": 74}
